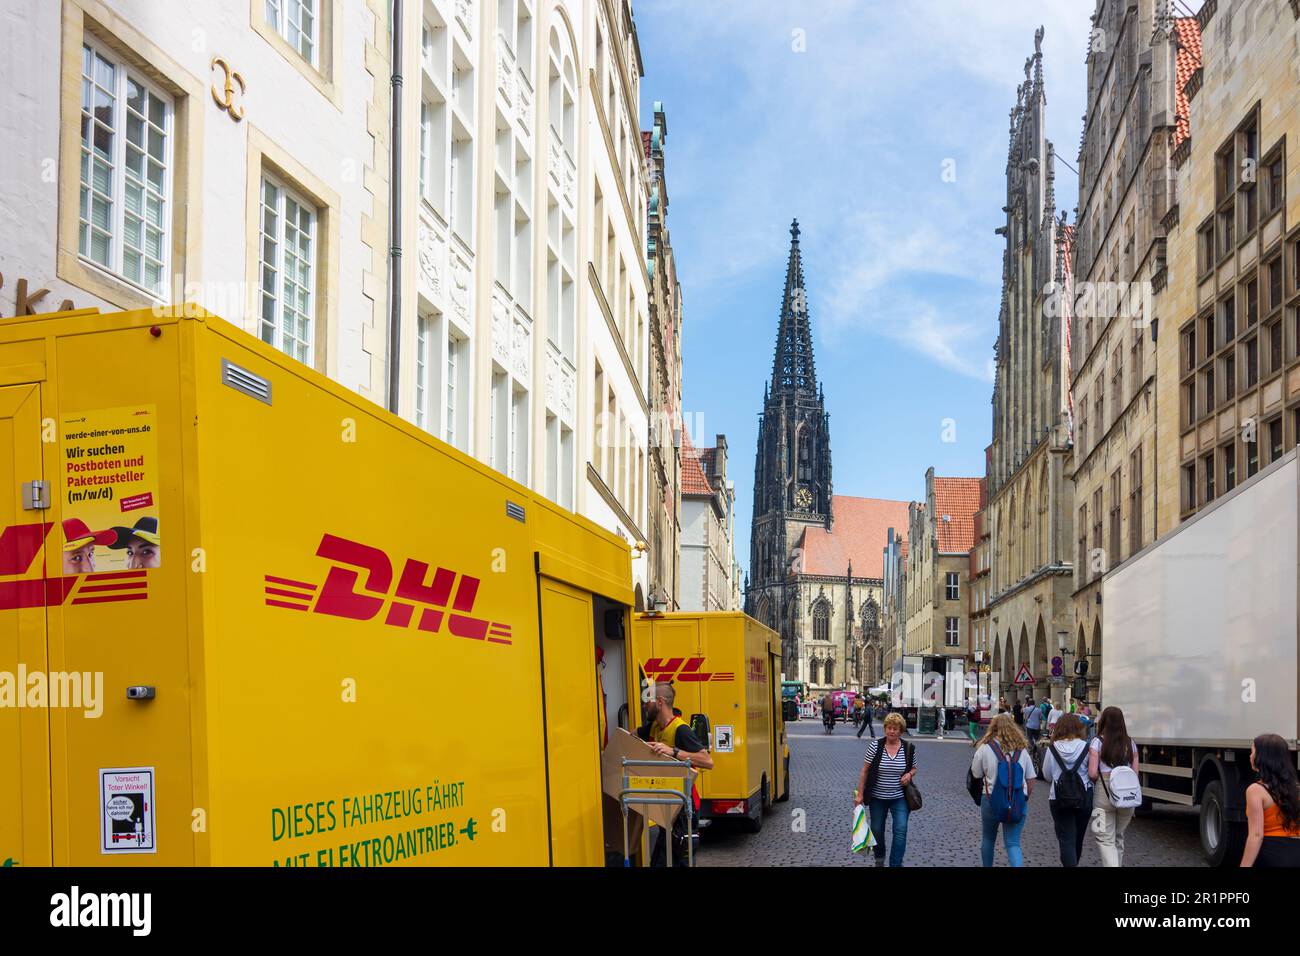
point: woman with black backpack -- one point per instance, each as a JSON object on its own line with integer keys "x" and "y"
{"x": 1065, "y": 765}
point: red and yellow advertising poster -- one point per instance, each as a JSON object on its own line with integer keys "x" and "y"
{"x": 109, "y": 485}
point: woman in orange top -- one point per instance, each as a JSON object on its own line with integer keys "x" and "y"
{"x": 1272, "y": 806}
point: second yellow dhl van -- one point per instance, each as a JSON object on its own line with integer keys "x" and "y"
{"x": 727, "y": 667}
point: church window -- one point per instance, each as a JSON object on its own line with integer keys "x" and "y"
{"x": 830, "y": 671}
{"x": 821, "y": 622}
{"x": 812, "y": 670}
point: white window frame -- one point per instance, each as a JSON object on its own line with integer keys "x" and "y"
{"x": 285, "y": 194}
{"x": 117, "y": 172}
{"x": 422, "y": 370}
{"x": 278, "y": 17}
{"x": 952, "y": 637}
{"x": 952, "y": 585}
{"x": 456, "y": 345}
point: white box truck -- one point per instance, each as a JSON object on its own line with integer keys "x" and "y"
{"x": 924, "y": 683}
{"x": 1200, "y": 650}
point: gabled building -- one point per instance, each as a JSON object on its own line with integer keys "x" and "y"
{"x": 708, "y": 528}
{"x": 665, "y": 499}
{"x": 941, "y": 531}
{"x": 893, "y": 610}
{"x": 1030, "y": 503}
{"x": 1139, "y": 62}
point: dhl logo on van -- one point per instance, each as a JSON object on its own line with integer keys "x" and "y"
{"x": 19, "y": 546}
{"x": 685, "y": 669}
{"x": 340, "y": 596}
{"x": 757, "y": 670}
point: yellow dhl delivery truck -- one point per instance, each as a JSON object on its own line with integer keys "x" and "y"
{"x": 725, "y": 666}
{"x": 272, "y": 624}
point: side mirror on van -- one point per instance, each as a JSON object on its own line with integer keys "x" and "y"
{"x": 700, "y": 728}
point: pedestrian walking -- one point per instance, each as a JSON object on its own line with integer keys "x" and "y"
{"x": 889, "y": 766}
{"x": 1018, "y": 713}
{"x": 1034, "y": 731}
{"x": 1002, "y": 763}
{"x": 1272, "y": 806}
{"x": 1112, "y": 748}
{"x": 973, "y": 722}
{"x": 866, "y": 721}
{"x": 1065, "y": 765}
{"x": 1053, "y": 715}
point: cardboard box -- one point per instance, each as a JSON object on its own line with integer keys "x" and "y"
{"x": 679, "y": 777}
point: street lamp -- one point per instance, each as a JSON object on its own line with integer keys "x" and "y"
{"x": 1062, "y": 638}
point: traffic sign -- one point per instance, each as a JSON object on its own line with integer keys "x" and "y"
{"x": 1023, "y": 676}
{"x": 1056, "y": 667}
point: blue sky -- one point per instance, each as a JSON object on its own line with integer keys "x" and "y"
{"x": 850, "y": 135}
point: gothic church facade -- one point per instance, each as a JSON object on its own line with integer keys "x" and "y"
{"x": 816, "y": 558}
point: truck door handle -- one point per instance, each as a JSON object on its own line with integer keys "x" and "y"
{"x": 140, "y": 692}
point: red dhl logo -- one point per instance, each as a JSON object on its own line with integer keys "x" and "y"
{"x": 686, "y": 669}
{"x": 19, "y": 546}
{"x": 757, "y": 670}
{"x": 417, "y": 589}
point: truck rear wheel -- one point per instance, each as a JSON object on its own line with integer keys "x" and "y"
{"x": 1222, "y": 840}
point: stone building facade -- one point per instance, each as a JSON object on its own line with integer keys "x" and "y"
{"x": 1136, "y": 120}
{"x": 1029, "y": 508}
{"x": 1229, "y": 402}
{"x": 525, "y": 329}
{"x": 978, "y": 580}
{"x": 230, "y": 156}
{"x": 815, "y": 557}
{"x": 708, "y": 528}
{"x": 893, "y": 603}
{"x": 941, "y": 532}
{"x": 665, "y": 504}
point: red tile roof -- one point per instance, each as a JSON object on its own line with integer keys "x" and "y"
{"x": 858, "y": 536}
{"x": 959, "y": 499}
{"x": 694, "y": 480}
{"x": 1186, "y": 62}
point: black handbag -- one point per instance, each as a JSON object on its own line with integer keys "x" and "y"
{"x": 913, "y": 797}
{"x": 974, "y": 786}
{"x": 911, "y": 793}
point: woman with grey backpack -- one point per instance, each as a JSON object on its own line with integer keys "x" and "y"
{"x": 1113, "y": 763}
{"x": 1065, "y": 766}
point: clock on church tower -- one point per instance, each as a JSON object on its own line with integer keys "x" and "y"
{"x": 803, "y": 498}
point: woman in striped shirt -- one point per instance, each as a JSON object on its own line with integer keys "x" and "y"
{"x": 889, "y": 766}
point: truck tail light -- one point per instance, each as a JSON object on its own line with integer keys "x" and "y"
{"x": 721, "y": 807}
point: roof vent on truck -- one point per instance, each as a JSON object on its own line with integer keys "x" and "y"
{"x": 242, "y": 380}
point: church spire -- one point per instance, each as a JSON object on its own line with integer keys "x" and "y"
{"x": 792, "y": 368}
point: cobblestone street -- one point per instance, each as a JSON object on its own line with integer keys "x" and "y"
{"x": 945, "y": 832}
